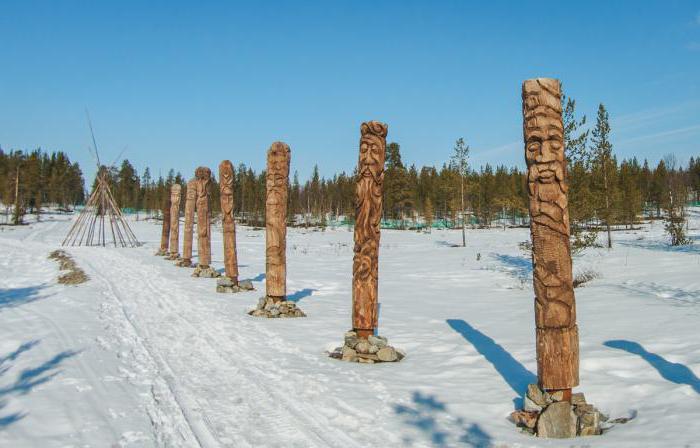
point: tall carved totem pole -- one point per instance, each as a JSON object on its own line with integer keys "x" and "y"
{"x": 165, "y": 232}
{"x": 203, "y": 269}
{"x": 227, "y": 220}
{"x": 190, "y": 200}
{"x": 368, "y": 213}
{"x": 175, "y": 196}
{"x": 555, "y": 307}
{"x": 550, "y": 409}
{"x": 275, "y": 304}
{"x": 277, "y": 182}
{"x": 361, "y": 344}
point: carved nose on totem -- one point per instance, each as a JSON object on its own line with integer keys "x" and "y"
{"x": 546, "y": 154}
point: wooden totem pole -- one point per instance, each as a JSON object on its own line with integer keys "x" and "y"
{"x": 227, "y": 220}
{"x": 368, "y": 213}
{"x": 203, "y": 175}
{"x": 190, "y": 199}
{"x": 277, "y": 181}
{"x": 165, "y": 233}
{"x": 175, "y": 196}
{"x": 555, "y": 308}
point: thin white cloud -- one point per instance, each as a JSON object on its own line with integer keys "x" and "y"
{"x": 642, "y": 118}
{"x": 499, "y": 149}
{"x": 663, "y": 134}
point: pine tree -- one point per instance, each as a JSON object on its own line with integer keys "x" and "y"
{"x": 460, "y": 163}
{"x": 604, "y": 167}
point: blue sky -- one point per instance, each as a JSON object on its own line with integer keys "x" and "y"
{"x": 191, "y": 83}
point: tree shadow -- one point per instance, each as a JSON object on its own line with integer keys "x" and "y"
{"x": 14, "y": 297}
{"x": 258, "y": 278}
{"x": 297, "y": 296}
{"x": 515, "y": 374}
{"x": 27, "y": 379}
{"x": 670, "y": 371}
{"x": 663, "y": 246}
{"x": 520, "y": 266}
{"x": 423, "y": 415}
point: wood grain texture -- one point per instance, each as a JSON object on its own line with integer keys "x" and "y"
{"x": 555, "y": 307}
{"x": 368, "y": 213}
{"x": 228, "y": 221}
{"x": 277, "y": 182}
{"x": 175, "y": 197}
{"x": 203, "y": 176}
{"x": 190, "y": 200}
{"x": 165, "y": 232}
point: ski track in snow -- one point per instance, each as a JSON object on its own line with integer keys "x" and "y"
{"x": 150, "y": 357}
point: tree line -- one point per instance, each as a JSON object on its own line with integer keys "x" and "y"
{"x": 30, "y": 180}
{"x": 605, "y": 193}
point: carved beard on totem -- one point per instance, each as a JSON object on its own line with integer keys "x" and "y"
{"x": 544, "y": 154}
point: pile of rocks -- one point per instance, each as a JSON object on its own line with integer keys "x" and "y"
{"x": 172, "y": 257}
{"x": 225, "y": 284}
{"x": 205, "y": 271}
{"x": 184, "y": 263}
{"x": 161, "y": 253}
{"x": 367, "y": 351}
{"x": 547, "y": 415}
{"x": 275, "y": 308}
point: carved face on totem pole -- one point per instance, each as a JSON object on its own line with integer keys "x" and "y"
{"x": 191, "y": 190}
{"x": 372, "y": 150}
{"x": 277, "y": 180}
{"x": 203, "y": 175}
{"x": 226, "y": 188}
{"x": 546, "y": 163}
{"x": 175, "y": 191}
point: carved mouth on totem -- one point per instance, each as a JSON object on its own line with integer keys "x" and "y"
{"x": 546, "y": 175}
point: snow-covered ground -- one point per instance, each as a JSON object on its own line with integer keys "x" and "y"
{"x": 144, "y": 355}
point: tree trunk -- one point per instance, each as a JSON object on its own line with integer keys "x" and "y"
{"x": 464, "y": 222}
{"x": 17, "y": 219}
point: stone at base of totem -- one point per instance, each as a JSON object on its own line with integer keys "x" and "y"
{"x": 226, "y": 285}
{"x": 161, "y": 253}
{"x": 172, "y": 257}
{"x": 374, "y": 349}
{"x": 273, "y": 308}
{"x": 205, "y": 272}
{"x": 184, "y": 263}
{"x": 546, "y": 415}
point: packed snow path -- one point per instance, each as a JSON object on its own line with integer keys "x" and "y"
{"x": 144, "y": 355}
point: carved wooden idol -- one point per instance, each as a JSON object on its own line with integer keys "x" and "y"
{"x": 368, "y": 212}
{"x": 203, "y": 175}
{"x": 227, "y": 220}
{"x": 277, "y": 181}
{"x": 175, "y": 195}
{"x": 165, "y": 233}
{"x": 555, "y": 308}
{"x": 190, "y": 199}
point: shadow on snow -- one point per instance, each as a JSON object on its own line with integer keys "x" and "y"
{"x": 297, "y": 296}
{"x": 521, "y": 267}
{"x": 14, "y": 297}
{"x": 670, "y": 371}
{"x": 514, "y": 373}
{"x": 424, "y": 414}
{"x": 28, "y": 378}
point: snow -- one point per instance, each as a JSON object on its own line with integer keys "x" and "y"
{"x": 143, "y": 355}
